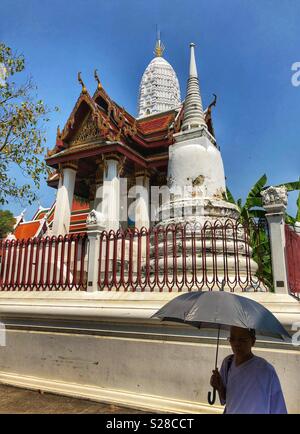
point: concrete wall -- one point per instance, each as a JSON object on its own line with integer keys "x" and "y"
{"x": 104, "y": 347}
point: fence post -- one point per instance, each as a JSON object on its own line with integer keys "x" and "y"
{"x": 95, "y": 225}
{"x": 275, "y": 202}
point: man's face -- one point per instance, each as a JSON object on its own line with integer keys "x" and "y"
{"x": 241, "y": 341}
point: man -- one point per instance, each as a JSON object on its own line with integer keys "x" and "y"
{"x": 247, "y": 383}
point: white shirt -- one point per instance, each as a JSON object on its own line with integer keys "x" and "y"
{"x": 252, "y": 387}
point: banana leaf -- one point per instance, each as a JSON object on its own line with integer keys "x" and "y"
{"x": 290, "y": 220}
{"x": 291, "y": 186}
{"x": 255, "y": 191}
{"x": 230, "y": 198}
{"x": 298, "y": 211}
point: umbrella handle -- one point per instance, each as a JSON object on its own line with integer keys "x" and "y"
{"x": 211, "y": 397}
{"x": 211, "y": 400}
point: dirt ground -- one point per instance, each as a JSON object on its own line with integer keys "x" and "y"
{"x": 16, "y": 400}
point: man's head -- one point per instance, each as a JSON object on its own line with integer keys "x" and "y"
{"x": 241, "y": 340}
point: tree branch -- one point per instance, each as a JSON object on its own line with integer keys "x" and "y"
{"x": 6, "y": 138}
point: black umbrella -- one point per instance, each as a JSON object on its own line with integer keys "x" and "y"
{"x": 211, "y": 309}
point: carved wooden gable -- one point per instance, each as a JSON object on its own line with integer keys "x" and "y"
{"x": 87, "y": 131}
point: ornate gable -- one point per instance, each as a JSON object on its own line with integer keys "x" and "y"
{"x": 86, "y": 123}
{"x": 88, "y": 131}
{"x": 83, "y": 105}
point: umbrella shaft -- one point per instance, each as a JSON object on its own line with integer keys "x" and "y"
{"x": 217, "y": 352}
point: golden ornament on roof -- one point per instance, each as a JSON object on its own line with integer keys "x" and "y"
{"x": 97, "y": 79}
{"x": 159, "y": 47}
{"x": 81, "y": 82}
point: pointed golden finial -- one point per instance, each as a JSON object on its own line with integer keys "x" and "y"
{"x": 58, "y": 133}
{"x": 159, "y": 47}
{"x": 97, "y": 79}
{"x": 82, "y": 83}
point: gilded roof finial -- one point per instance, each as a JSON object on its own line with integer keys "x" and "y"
{"x": 82, "y": 83}
{"x": 58, "y": 133}
{"x": 159, "y": 47}
{"x": 97, "y": 79}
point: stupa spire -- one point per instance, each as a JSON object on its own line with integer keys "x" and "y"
{"x": 159, "y": 47}
{"x": 193, "y": 110}
{"x": 159, "y": 88}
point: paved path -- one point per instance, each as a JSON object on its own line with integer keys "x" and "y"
{"x": 16, "y": 400}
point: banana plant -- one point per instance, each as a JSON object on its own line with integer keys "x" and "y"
{"x": 253, "y": 206}
{"x": 290, "y": 220}
{"x": 252, "y": 211}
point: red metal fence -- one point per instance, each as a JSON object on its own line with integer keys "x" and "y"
{"x": 184, "y": 258}
{"x": 50, "y": 263}
{"x": 230, "y": 256}
{"x": 293, "y": 259}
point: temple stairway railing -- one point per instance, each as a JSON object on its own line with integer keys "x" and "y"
{"x": 220, "y": 256}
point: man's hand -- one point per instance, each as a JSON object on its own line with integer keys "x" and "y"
{"x": 216, "y": 380}
{"x": 217, "y": 383}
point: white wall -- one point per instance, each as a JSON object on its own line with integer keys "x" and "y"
{"x": 104, "y": 347}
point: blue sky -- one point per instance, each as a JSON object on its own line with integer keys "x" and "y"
{"x": 245, "y": 50}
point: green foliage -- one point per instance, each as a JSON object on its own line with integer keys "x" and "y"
{"x": 298, "y": 209}
{"x": 252, "y": 211}
{"x": 248, "y": 210}
{"x": 22, "y": 138}
{"x": 291, "y": 186}
{"x": 290, "y": 220}
{"x": 253, "y": 206}
{"x": 229, "y": 197}
{"x": 7, "y": 222}
{"x": 261, "y": 253}
{"x": 254, "y": 196}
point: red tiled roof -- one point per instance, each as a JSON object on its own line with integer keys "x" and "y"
{"x": 51, "y": 217}
{"x": 79, "y": 215}
{"x": 27, "y": 230}
{"x": 155, "y": 125}
{"x": 40, "y": 214}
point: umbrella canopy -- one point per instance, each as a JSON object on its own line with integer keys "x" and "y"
{"x": 211, "y": 309}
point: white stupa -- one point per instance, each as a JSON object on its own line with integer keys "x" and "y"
{"x": 196, "y": 181}
{"x": 195, "y": 171}
{"x": 159, "y": 88}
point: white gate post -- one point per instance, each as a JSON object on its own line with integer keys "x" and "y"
{"x": 95, "y": 225}
{"x": 275, "y": 202}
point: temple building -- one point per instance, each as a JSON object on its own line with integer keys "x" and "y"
{"x": 107, "y": 163}
{"x": 102, "y": 143}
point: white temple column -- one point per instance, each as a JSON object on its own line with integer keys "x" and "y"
{"x": 275, "y": 202}
{"x": 64, "y": 200}
{"x": 142, "y": 214}
{"x": 96, "y": 193}
{"x": 96, "y": 223}
{"x": 111, "y": 195}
